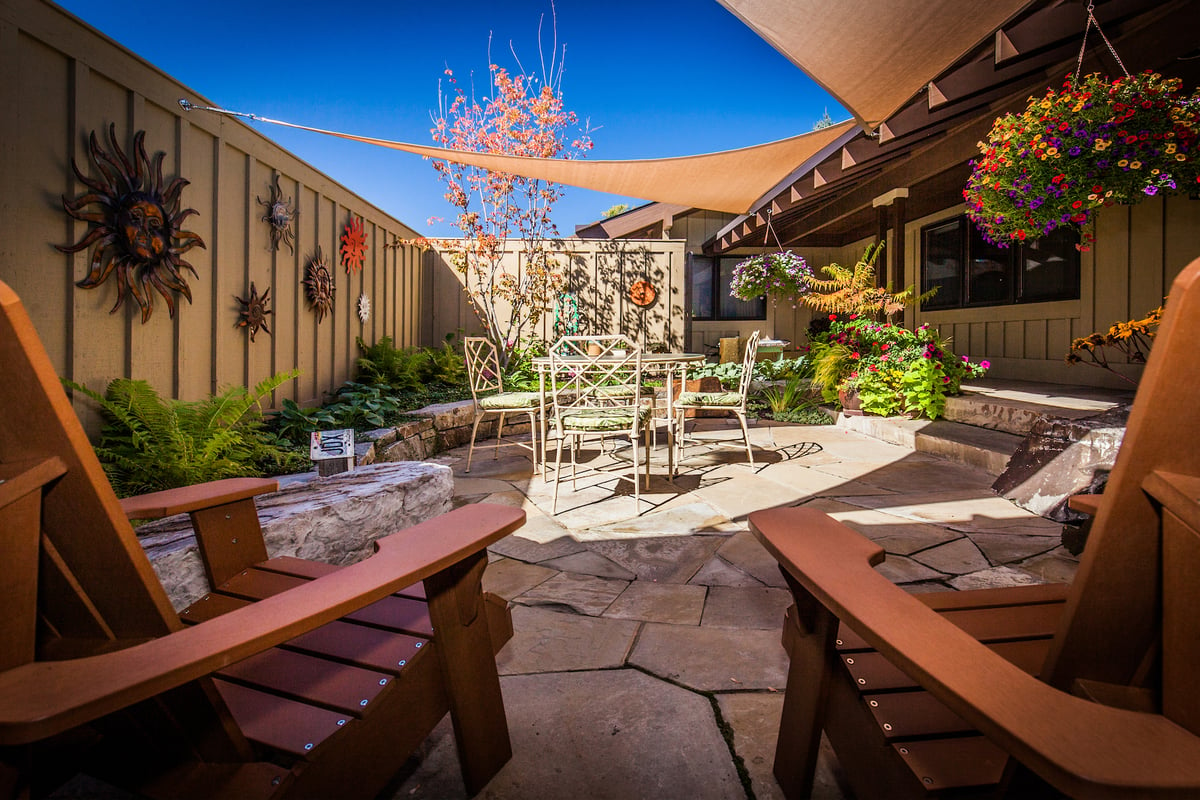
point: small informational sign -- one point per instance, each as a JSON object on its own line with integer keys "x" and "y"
{"x": 325, "y": 445}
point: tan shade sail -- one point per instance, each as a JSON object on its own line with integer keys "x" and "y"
{"x": 874, "y": 55}
{"x": 730, "y": 181}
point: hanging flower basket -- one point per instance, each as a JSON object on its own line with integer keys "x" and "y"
{"x": 1091, "y": 144}
{"x": 780, "y": 275}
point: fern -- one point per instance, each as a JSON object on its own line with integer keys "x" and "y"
{"x": 149, "y": 443}
{"x": 853, "y": 290}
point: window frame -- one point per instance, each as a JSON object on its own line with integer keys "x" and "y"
{"x": 712, "y": 264}
{"x": 972, "y": 247}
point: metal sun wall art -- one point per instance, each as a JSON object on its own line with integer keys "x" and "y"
{"x": 254, "y": 311}
{"x": 280, "y": 215}
{"x": 643, "y": 294}
{"x": 135, "y": 225}
{"x": 318, "y": 286}
{"x": 364, "y": 308}
{"x": 354, "y": 245}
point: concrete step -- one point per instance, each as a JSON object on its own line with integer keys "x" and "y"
{"x": 1013, "y": 406}
{"x": 983, "y": 448}
{"x": 983, "y": 426}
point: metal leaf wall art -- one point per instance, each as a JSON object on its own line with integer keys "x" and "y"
{"x": 135, "y": 225}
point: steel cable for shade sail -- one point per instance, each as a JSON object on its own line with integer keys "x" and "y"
{"x": 732, "y": 181}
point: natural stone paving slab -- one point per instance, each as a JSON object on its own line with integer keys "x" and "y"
{"x": 719, "y": 572}
{"x": 953, "y": 558}
{"x": 471, "y": 487}
{"x": 738, "y": 496}
{"x": 679, "y": 520}
{"x": 648, "y": 739}
{"x": 509, "y": 578}
{"x": 744, "y": 552}
{"x": 552, "y": 641}
{"x": 587, "y": 562}
{"x": 992, "y": 578}
{"x": 484, "y": 466}
{"x": 912, "y": 475}
{"x": 746, "y": 607}
{"x": 816, "y": 481}
{"x": 583, "y": 594}
{"x": 1005, "y": 548}
{"x": 660, "y": 602}
{"x": 533, "y": 551}
{"x": 961, "y": 510}
{"x": 902, "y": 569}
{"x": 754, "y": 719}
{"x": 1057, "y": 566}
{"x": 712, "y": 659}
{"x": 893, "y": 534}
{"x": 669, "y": 559}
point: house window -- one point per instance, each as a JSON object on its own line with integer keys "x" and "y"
{"x": 710, "y": 280}
{"x": 968, "y": 271}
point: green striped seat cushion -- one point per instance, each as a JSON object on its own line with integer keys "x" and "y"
{"x": 510, "y": 400}
{"x": 602, "y": 419}
{"x": 709, "y": 399}
{"x": 615, "y": 391}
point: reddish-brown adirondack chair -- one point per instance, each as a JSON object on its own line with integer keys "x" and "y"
{"x": 280, "y": 697}
{"x": 938, "y": 693}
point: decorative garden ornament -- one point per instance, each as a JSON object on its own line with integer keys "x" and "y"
{"x": 254, "y": 312}
{"x": 318, "y": 286}
{"x": 642, "y": 293}
{"x": 364, "y": 308}
{"x": 354, "y": 245}
{"x": 280, "y": 215}
{"x": 136, "y": 225}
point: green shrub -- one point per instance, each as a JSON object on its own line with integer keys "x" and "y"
{"x": 364, "y": 406}
{"x": 780, "y": 399}
{"x": 148, "y": 443}
{"x": 294, "y": 423}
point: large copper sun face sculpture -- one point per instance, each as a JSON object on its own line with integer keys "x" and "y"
{"x": 135, "y": 225}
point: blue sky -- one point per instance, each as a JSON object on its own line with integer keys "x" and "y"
{"x": 654, "y": 78}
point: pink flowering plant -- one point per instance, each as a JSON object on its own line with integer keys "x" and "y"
{"x": 1073, "y": 151}
{"x": 781, "y": 275}
{"x": 893, "y": 370}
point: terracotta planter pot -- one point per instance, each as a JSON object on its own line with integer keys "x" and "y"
{"x": 851, "y": 405}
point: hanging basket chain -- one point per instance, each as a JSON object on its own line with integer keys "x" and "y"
{"x": 1093, "y": 22}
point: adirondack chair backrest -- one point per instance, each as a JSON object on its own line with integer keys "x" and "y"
{"x": 93, "y": 581}
{"x": 1111, "y": 627}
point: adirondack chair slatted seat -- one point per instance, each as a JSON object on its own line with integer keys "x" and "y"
{"x": 291, "y": 679}
{"x": 1087, "y": 691}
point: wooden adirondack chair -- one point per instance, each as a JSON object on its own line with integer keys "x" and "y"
{"x": 263, "y": 699}
{"x": 913, "y": 701}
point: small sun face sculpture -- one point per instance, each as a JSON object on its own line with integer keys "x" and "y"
{"x": 280, "y": 215}
{"x": 364, "y": 308}
{"x": 318, "y": 286}
{"x": 354, "y": 245}
{"x": 253, "y": 314}
{"x": 136, "y": 227}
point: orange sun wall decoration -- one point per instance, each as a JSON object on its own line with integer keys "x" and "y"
{"x": 354, "y": 245}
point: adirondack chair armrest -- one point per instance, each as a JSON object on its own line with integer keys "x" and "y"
{"x": 167, "y": 503}
{"x": 1080, "y": 747}
{"x": 1085, "y": 503}
{"x": 40, "y": 699}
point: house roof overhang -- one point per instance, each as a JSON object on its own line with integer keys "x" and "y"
{"x": 927, "y": 144}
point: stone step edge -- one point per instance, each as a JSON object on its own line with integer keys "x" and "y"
{"x": 1017, "y": 417}
{"x": 982, "y": 448}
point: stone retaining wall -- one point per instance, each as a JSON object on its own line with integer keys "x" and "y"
{"x": 334, "y": 519}
{"x": 445, "y": 426}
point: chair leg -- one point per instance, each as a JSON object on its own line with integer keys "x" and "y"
{"x": 557, "y": 473}
{"x": 471, "y": 448}
{"x": 741, "y": 415}
{"x": 499, "y": 433}
{"x": 533, "y": 441}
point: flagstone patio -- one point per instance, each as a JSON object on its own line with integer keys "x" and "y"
{"x": 646, "y": 659}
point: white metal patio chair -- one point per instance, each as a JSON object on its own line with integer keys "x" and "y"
{"x": 487, "y": 391}
{"x": 596, "y": 395}
{"x": 732, "y": 401}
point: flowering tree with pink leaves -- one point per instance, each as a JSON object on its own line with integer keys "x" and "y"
{"x": 501, "y": 214}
